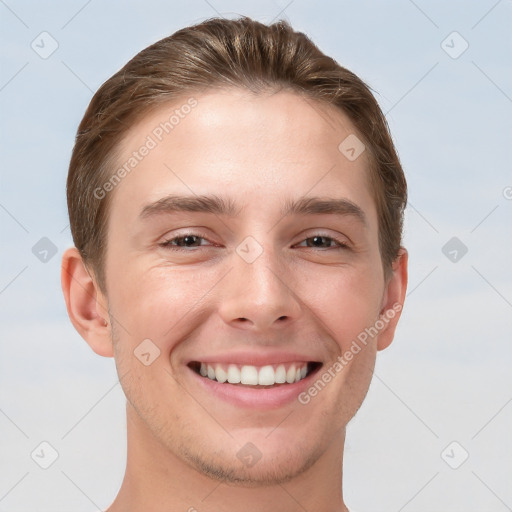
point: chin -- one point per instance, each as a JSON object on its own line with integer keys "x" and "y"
{"x": 276, "y": 470}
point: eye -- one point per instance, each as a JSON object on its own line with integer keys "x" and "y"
{"x": 191, "y": 241}
{"x": 324, "y": 242}
{"x": 184, "y": 242}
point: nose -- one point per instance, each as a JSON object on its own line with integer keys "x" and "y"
{"x": 259, "y": 296}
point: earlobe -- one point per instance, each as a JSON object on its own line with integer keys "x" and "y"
{"x": 86, "y": 305}
{"x": 393, "y": 300}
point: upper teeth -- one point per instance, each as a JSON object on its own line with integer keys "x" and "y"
{"x": 253, "y": 375}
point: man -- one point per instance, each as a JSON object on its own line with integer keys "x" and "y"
{"x": 236, "y": 204}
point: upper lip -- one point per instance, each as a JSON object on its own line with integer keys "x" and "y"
{"x": 254, "y": 358}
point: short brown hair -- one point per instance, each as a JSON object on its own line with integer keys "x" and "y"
{"x": 223, "y": 53}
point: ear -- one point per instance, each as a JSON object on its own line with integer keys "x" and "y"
{"x": 393, "y": 299}
{"x": 87, "y": 306}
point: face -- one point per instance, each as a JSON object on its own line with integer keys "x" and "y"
{"x": 244, "y": 246}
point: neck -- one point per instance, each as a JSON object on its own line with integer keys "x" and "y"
{"x": 156, "y": 479}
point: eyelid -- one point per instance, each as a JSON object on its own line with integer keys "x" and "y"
{"x": 166, "y": 243}
{"x": 343, "y": 243}
{"x": 171, "y": 238}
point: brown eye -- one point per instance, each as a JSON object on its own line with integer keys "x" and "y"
{"x": 184, "y": 242}
{"x": 324, "y": 242}
{"x": 319, "y": 241}
{"x": 188, "y": 241}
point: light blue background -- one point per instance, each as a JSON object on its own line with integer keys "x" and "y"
{"x": 447, "y": 375}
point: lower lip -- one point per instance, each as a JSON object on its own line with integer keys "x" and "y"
{"x": 254, "y": 398}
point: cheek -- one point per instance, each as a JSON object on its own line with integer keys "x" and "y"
{"x": 345, "y": 301}
{"x": 163, "y": 304}
{"x": 153, "y": 312}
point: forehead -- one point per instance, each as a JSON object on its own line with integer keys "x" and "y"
{"x": 258, "y": 148}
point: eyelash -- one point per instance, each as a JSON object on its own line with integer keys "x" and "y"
{"x": 167, "y": 244}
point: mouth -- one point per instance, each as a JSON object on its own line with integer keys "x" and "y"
{"x": 269, "y": 376}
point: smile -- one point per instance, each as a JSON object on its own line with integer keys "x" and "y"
{"x": 250, "y": 375}
{"x": 252, "y": 379}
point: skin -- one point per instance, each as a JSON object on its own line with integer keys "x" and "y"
{"x": 258, "y": 150}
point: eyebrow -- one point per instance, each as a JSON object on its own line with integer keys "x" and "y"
{"x": 204, "y": 204}
{"x": 319, "y": 206}
{"x": 225, "y": 206}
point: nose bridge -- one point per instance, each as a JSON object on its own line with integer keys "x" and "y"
{"x": 257, "y": 292}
